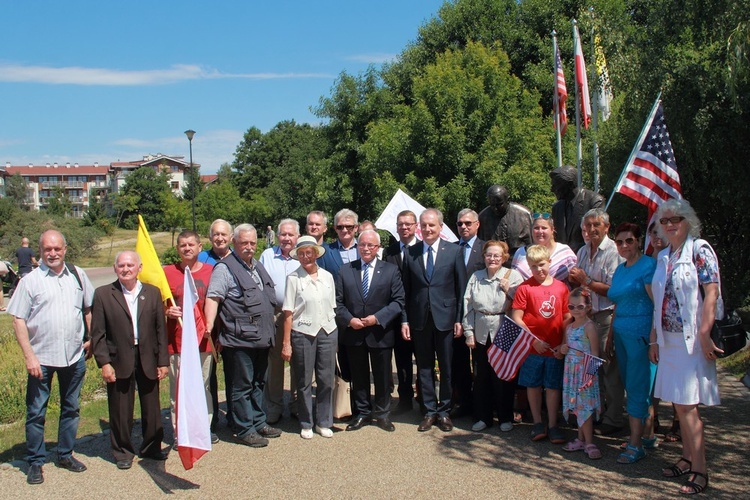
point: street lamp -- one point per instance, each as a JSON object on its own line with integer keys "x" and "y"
{"x": 190, "y": 133}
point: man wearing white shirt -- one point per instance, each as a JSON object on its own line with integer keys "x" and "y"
{"x": 49, "y": 309}
{"x": 279, "y": 265}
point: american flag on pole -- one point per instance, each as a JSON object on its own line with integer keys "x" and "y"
{"x": 650, "y": 176}
{"x": 581, "y": 79}
{"x": 509, "y": 349}
{"x": 561, "y": 91}
{"x": 592, "y": 365}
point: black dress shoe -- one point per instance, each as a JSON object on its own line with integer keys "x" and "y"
{"x": 386, "y": 424}
{"x": 157, "y": 455}
{"x": 71, "y": 464}
{"x": 445, "y": 424}
{"x": 358, "y": 423}
{"x": 125, "y": 464}
{"x": 426, "y": 424}
{"x": 269, "y": 432}
{"x": 34, "y": 476}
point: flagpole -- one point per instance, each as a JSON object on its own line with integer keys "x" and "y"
{"x": 635, "y": 148}
{"x": 556, "y": 100}
{"x": 578, "y": 106}
{"x": 595, "y": 104}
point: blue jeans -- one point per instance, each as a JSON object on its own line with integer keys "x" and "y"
{"x": 248, "y": 380}
{"x": 70, "y": 379}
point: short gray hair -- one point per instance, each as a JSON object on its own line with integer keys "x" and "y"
{"x": 345, "y": 213}
{"x": 467, "y": 211}
{"x": 683, "y": 209}
{"x": 288, "y": 221}
{"x": 435, "y": 211}
{"x": 596, "y": 213}
{"x": 243, "y": 228}
{"x": 319, "y": 213}
{"x": 122, "y": 252}
{"x": 368, "y": 231}
{"x": 218, "y": 221}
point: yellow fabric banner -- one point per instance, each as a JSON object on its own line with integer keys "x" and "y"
{"x": 152, "y": 271}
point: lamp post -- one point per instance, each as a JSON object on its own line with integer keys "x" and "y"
{"x": 190, "y": 133}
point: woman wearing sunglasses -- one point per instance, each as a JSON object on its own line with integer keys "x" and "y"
{"x": 631, "y": 293}
{"x": 562, "y": 257}
{"x": 686, "y": 301}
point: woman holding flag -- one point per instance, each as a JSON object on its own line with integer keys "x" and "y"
{"x": 631, "y": 293}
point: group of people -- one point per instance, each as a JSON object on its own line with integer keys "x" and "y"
{"x": 350, "y": 306}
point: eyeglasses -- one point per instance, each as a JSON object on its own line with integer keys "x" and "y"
{"x": 626, "y": 241}
{"x": 674, "y": 220}
{"x": 541, "y": 215}
{"x": 579, "y": 307}
{"x": 367, "y": 246}
{"x": 465, "y": 223}
{"x": 406, "y": 224}
{"x": 341, "y": 227}
{"x": 493, "y": 256}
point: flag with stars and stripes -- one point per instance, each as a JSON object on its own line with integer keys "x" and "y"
{"x": 592, "y": 365}
{"x": 510, "y": 348}
{"x": 561, "y": 92}
{"x": 650, "y": 176}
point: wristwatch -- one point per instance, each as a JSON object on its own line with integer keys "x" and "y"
{"x": 588, "y": 280}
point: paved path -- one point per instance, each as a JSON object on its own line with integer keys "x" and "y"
{"x": 371, "y": 463}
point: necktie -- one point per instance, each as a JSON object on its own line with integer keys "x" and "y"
{"x": 430, "y": 263}
{"x": 464, "y": 250}
{"x": 365, "y": 279}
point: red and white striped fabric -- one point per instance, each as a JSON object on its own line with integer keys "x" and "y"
{"x": 510, "y": 348}
{"x": 561, "y": 90}
{"x": 582, "y": 80}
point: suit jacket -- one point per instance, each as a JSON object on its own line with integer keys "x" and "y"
{"x": 385, "y": 300}
{"x": 112, "y": 336}
{"x": 568, "y": 230}
{"x": 476, "y": 261}
{"x": 331, "y": 260}
{"x": 393, "y": 253}
{"x": 442, "y": 295}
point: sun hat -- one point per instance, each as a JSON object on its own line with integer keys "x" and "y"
{"x": 307, "y": 241}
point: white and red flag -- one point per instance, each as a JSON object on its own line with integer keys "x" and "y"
{"x": 581, "y": 80}
{"x": 193, "y": 428}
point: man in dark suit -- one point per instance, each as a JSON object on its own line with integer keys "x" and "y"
{"x": 572, "y": 203}
{"x": 403, "y": 351}
{"x": 129, "y": 342}
{"x": 433, "y": 273}
{"x": 344, "y": 249}
{"x": 467, "y": 224}
{"x": 370, "y": 302}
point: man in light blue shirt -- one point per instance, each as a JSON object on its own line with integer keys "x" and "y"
{"x": 279, "y": 265}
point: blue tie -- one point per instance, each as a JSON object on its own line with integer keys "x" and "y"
{"x": 365, "y": 279}
{"x": 430, "y": 263}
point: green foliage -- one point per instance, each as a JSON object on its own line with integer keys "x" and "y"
{"x": 170, "y": 256}
{"x": 146, "y": 189}
{"x": 59, "y": 203}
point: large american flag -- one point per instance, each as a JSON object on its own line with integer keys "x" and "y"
{"x": 651, "y": 177}
{"x": 509, "y": 349}
{"x": 561, "y": 90}
{"x": 582, "y": 80}
{"x": 592, "y": 365}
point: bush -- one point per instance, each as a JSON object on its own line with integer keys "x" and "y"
{"x": 170, "y": 256}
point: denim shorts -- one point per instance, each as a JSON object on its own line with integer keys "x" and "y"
{"x": 538, "y": 371}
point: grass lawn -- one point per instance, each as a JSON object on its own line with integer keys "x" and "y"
{"x": 124, "y": 240}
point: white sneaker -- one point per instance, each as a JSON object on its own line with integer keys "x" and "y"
{"x": 479, "y": 426}
{"x": 506, "y": 426}
{"x": 326, "y": 433}
{"x": 306, "y": 434}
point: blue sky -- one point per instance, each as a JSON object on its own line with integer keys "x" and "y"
{"x": 85, "y": 81}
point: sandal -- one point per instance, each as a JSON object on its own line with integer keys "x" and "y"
{"x": 574, "y": 445}
{"x": 592, "y": 451}
{"x": 695, "y": 488}
{"x": 675, "y": 470}
{"x": 631, "y": 455}
{"x": 556, "y": 436}
{"x": 674, "y": 433}
{"x": 647, "y": 443}
{"x": 538, "y": 432}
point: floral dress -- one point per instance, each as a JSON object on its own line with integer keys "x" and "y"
{"x": 581, "y": 402}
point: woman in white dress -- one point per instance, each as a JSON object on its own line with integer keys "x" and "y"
{"x": 686, "y": 302}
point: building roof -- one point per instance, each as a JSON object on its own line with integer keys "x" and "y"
{"x": 57, "y": 169}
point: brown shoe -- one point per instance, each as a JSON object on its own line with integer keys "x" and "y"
{"x": 426, "y": 424}
{"x": 445, "y": 424}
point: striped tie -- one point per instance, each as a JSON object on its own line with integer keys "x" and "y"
{"x": 430, "y": 263}
{"x": 365, "y": 279}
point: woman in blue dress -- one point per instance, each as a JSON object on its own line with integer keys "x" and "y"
{"x": 631, "y": 293}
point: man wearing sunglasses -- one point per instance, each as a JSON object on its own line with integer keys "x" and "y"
{"x": 344, "y": 249}
{"x": 572, "y": 202}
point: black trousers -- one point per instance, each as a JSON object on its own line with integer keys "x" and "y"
{"x": 361, "y": 358}
{"x": 429, "y": 343}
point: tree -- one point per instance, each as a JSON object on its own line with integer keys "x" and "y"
{"x": 148, "y": 188}
{"x": 175, "y": 213}
{"x": 59, "y": 203}
{"x": 15, "y": 189}
{"x": 193, "y": 184}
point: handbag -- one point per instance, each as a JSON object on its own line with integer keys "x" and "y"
{"x": 729, "y": 334}
{"x": 342, "y": 403}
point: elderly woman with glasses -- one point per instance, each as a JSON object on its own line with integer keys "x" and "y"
{"x": 489, "y": 295}
{"x": 687, "y": 300}
{"x": 631, "y": 293}
{"x": 562, "y": 257}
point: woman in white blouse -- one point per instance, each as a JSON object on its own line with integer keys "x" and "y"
{"x": 489, "y": 295}
{"x": 310, "y": 336}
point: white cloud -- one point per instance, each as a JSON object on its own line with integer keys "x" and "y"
{"x": 76, "y": 75}
{"x": 374, "y": 58}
